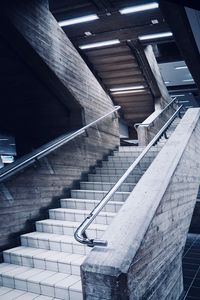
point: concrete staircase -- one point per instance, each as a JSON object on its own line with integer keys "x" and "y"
{"x": 47, "y": 264}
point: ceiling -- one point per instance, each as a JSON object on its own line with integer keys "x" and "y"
{"x": 176, "y": 73}
{"x": 115, "y": 66}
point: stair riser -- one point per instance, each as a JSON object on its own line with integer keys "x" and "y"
{"x": 124, "y": 165}
{"x": 105, "y": 187}
{"x": 115, "y": 207}
{"x": 126, "y": 159}
{"x": 40, "y": 288}
{"x": 28, "y": 261}
{"x": 133, "y": 155}
{"x": 136, "y": 171}
{"x": 98, "y": 195}
{"x": 55, "y": 245}
{"x": 64, "y": 230}
{"x": 106, "y": 178}
{"x": 65, "y": 216}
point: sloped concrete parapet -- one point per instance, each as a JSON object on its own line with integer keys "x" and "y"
{"x": 147, "y": 237}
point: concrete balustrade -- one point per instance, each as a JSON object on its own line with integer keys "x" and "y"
{"x": 147, "y": 236}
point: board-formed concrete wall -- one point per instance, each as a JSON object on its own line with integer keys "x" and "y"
{"x": 26, "y": 196}
{"x": 147, "y": 237}
{"x": 153, "y": 124}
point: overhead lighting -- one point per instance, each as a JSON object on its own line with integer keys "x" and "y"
{"x": 181, "y": 67}
{"x": 178, "y": 95}
{"x": 166, "y": 82}
{"x": 127, "y": 88}
{"x": 128, "y": 92}
{"x": 78, "y": 20}
{"x": 187, "y": 80}
{"x": 155, "y": 21}
{"x": 138, "y": 8}
{"x": 100, "y": 44}
{"x": 184, "y": 101}
{"x": 155, "y": 36}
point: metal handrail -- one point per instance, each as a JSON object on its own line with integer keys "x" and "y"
{"x": 28, "y": 159}
{"x": 161, "y": 112}
{"x": 80, "y": 233}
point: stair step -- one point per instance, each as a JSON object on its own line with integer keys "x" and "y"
{"x": 129, "y": 159}
{"x": 56, "y": 261}
{"x": 110, "y": 178}
{"x": 12, "y": 294}
{"x": 124, "y": 165}
{"x": 68, "y": 227}
{"x": 118, "y": 171}
{"x": 55, "y": 242}
{"x": 137, "y": 149}
{"x": 77, "y": 215}
{"x": 98, "y": 195}
{"x": 111, "y": 206}
{"x": 48, "y": 283}
{"x": 105, "y": 186}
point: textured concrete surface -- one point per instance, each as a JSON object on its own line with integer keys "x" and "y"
{"x": 147, "y": 237}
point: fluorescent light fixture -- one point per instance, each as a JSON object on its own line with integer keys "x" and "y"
{"x": 128, "y": 92}
{"x": 137, "y": 8}
{"x": 127, "y": 88}
{"x": 166, "y": 82}
{"x": 78, "y": 20}
{"x": 184, "y": 101}
{"x": 155, "y": 36}
{"x": 100, "y": 44}
{"x": 178, "y": 95}
{"x": 181, "y": 67}
{"x": 187, "y": 80}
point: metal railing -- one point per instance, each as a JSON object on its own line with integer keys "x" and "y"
{"x": 28, "y": 159}
{"x": 80, "y": 233}
{"x": 161, "y": 112}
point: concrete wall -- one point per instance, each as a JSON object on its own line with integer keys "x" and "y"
{"x": 147, "y": 237}
{"x": 26, "y": 196}
{"x": 153, "y": 124}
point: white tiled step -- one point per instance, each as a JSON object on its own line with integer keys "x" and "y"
{"x": 55, "y": 242}
{"x": 110, "y": 178}
{"x": 98, "y": 195}
{"x": 48, "y": 283}
{"x": 128, "y": 159}
{"x": 118, "y": 171}
{"x": 77, "y": 215}
{"x": 105, "y": 186}
{"x": 111, "y": 206}
{"x": 12, "y": 294}
{"x": 124, "y": 165}
{"x": 68, "y": 227}
{"x": 56, "y": 261}
{"x": 137, "y": 149}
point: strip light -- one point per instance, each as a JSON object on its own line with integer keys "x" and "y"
{"x": 155, "y": 36}
{"x": 181, "y": 95}
{"x": 78, "y": 20}
{"x": 127, "y": 88}
{"x": 187, "y": 80}
{"x": 181, "y": 67}
{"x": 128, "y": 92}
{"x": 100, "y": 44}
{"x": 138, "y": 8}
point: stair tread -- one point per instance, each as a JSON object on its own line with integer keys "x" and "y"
{"x": 81, "y": 211}
{"x": 51, "y": 255}
{"x": 40, "y": 276}
{"x": 11, "y": 294}
{"x": 108, "y": 183}
{"x": 70, "y": 224}
{"x": 90, "y": 201}
{"x": 94, "y": 191}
